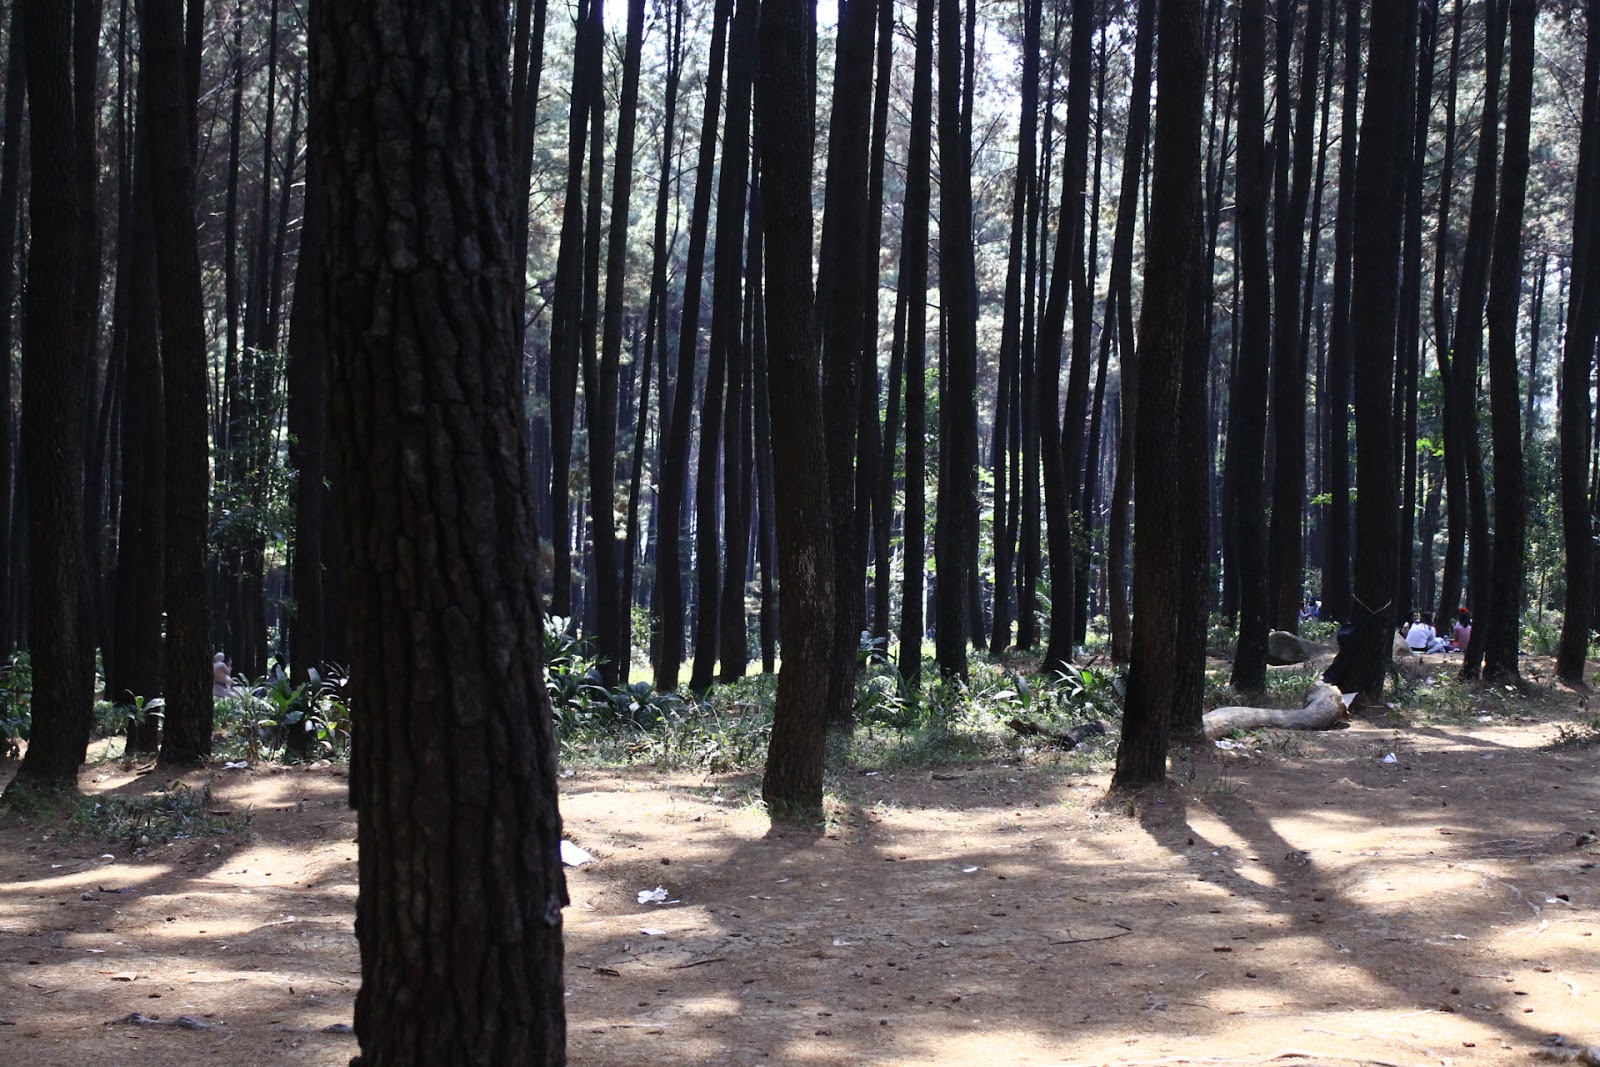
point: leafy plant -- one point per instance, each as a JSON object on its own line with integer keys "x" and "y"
{"x": 168, "y": 814}
{"x": 16, "y": 703}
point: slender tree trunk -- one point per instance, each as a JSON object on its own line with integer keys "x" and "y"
{"x": 10, "y": 184}
{"x": 841, "y": 313}
{"x": 1255, "y": 339}
{"x": 1583, "y": 319}
{"x": 914, "y": 284}
{"x": 668, "y": 607}
{"x": 732, "y": 183}
{"x": 1455, "y": 468}
{"x": 1336, "y": 589}
{"x": 792, "y": 785}
{"x": 1121, "y": 295}
{"x": 1286, "y": 544}
{"x": 1011, "y": 325}
{"x": 567, "y": 304}
{"x": 610, "y": 607}
{"x": 308, "y": 438}
{"x": 1503, "y": 617}
{"x": 1468, "y": 346}
{"x": 958, "y": 452}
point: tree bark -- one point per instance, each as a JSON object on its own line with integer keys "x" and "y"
{"x": 455, "y": 757}
{"x": 1249, "y": 412}
{"x": 54, "y": 372}
{"x": 1158, "y": 676}
{"x": 186, "y": 739}
{"x": 914, "y": 284}
{"x": 1359, "y": 667}
{"x": 668, "y": 605}
{"x": 1503, "y": 617}
{"x": 1583, "y": 318}
{"x": 792, "y": 784}
{"x": 10, "y": 185}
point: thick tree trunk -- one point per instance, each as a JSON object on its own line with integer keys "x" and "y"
{"x": 54, "y": 371}
{"x": 792, "y": 785}
{"x": 187, "y": 728}
{"x": 438, "y": 522}
{"x": 1363, "y": 653}
{"x": 1158, "y": 676}
{"x": 1503, "y": 617}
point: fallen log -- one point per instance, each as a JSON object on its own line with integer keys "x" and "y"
{"x": 1065, "y": 739}
{"x": 1324, "y": 707}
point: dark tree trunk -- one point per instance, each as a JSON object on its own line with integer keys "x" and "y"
{"x": 610, "y": 608}
{"x": 1409, "y": 339}
{"x": 668, "y": 607}
{"x": 726, "y": 303}
{"x": 1503, "y": 614}
{"x": 1455, "y": 468}
{"x": 1286, "y": 557}
{"x": 1583, "y": 319}
{"x": 1061, "y": 436}
{"x": 140, "y": 571}
{"x": 1011, "y": 327}
{"x": 1363, "y": 654}
{"x": 954, "y": 545}
{"x": 1336, "y": 603}
{"x": 54, "y": 372}
{"x": 1249, "y": 411}
{"x": 10, "y": 170}
{"x": 567, "y": 304}
{"x": 655, "y": 342}
{"x": 868, "y": 440}
{"x": 308, "y": 438}
{"x": 1121, "y": 296}
{"x": 1462, "y": 433}
{"x": 460, "y": 738}
{"x": 914, "y": 285}
{"x": 1159, "y": 679}
{"x": 186, "y": 738}
{"x": 792, "y": 785}
{"x": 841, "y": 313}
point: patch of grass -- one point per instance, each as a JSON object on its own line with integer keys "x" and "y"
{"x": 170, "y": 814}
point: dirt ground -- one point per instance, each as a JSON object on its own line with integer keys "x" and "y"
{"x": 1303, "y": 900}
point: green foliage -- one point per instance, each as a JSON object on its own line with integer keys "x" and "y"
{"x": 16, "y": 703}
{"x": 172, "y": 813}
{"x": 260, "y": 726}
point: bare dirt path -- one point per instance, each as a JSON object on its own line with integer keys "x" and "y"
{"x": 1306, "y": 901}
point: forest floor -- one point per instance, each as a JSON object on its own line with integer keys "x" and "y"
{"x": 1417, "y": 890}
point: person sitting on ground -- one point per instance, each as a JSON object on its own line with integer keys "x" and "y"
{"x": 1420, "y": 634}
{"x": 1463, "y": 631}
{"x": 221, "y": 676}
